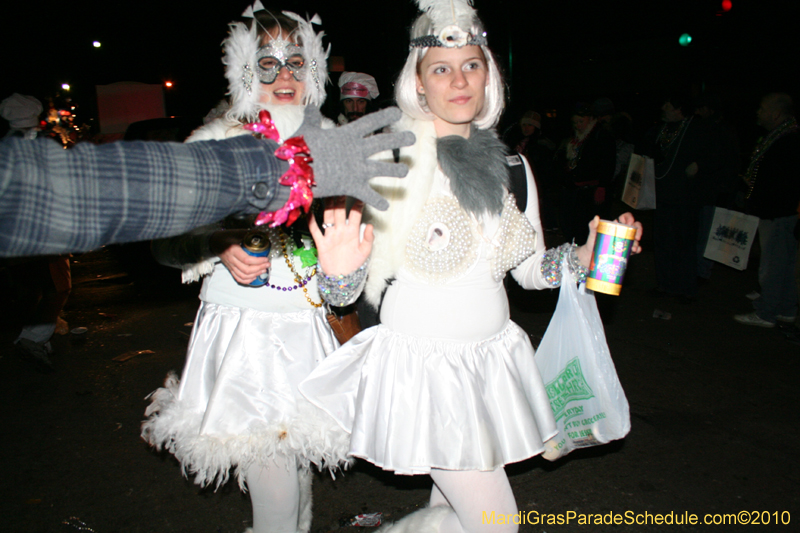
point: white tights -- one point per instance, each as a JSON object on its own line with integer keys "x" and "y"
{"x": 275, "y": 495}
{"x": 470, "y": 493}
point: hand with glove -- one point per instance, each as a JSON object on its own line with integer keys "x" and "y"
{"x": 341, "y": 165}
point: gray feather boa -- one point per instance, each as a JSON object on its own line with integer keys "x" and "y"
{"x": 477, "y": 169}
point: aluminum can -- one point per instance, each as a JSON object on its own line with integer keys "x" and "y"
{"x": 256, "y": 243}
{"x": 612, "y": 248}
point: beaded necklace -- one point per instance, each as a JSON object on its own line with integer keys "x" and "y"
{"x": 677, "y": 134}
{"x": 668, "y": 135}
{"x": 276, "y": 235}
{"x": 761, "y": 148}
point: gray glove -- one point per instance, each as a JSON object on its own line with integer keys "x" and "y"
{"x": 341, "y": 167}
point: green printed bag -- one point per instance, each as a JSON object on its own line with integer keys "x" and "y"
{"x": 585, "y": 394}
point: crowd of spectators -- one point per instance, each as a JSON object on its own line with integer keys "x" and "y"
{"x": 700, "y": 164}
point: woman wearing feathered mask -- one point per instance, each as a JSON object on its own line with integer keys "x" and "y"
{"x": 236, "y": 404}
{"x": 447, "y": 385}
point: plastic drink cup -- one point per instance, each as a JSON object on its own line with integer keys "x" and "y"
{"x": 610, "y": 257}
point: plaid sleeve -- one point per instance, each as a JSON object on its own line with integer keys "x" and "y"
{"x": 54, "y": 200}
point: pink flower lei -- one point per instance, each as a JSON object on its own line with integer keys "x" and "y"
{"x": 300, "y": 176}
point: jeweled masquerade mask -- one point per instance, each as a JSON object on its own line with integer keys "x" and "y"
{"x": 250, "y": 60}
{"x": 277, "y": 54}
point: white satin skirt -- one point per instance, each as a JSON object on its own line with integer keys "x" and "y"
{"x": 416, "y": 403}
{"x": 237, "y": 402}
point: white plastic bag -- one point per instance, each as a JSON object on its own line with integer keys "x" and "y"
{"x": 640, "y": 183}
{"x": 585, "y": 394}
{"x": 731, "y": 237}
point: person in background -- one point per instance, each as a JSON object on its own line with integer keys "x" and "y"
{"x": 586, "y": 163}
{"x": 22, "y": 113}
{"x": 682, "y": 150}
{"x": 719, "y": 186}
{"x": 529, "y": 141}
{"x": 43, "y": 283}
{"x": 603, "y": 110}
{"x": 356, "y": 91}
{"x": 773, "y": 196}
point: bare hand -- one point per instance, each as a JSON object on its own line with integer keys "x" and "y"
{"x": 243, "y": 267}
{"x": 585, "y": 251}
{"x": 340, "y": 249}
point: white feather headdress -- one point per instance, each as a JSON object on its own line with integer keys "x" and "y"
{"x": 452, "y": 22}
{"x": 240, "y": 60}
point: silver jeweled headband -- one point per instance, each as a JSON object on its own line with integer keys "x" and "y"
{"x": 450, "y": 37}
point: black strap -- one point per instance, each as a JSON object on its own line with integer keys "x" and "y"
{"x": 518, "y": 181}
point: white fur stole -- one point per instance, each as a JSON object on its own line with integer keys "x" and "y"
{"x": 406, "y": 198}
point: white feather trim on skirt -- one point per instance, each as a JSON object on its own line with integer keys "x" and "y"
{"x": 237, "y": 401}
{"x": 416, "y": 403}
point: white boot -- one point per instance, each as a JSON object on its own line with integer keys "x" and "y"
{"x": 304, "y": 516}
{"x": 425, "y": 520}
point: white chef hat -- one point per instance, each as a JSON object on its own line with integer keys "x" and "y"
{"x": 357, "y": 85}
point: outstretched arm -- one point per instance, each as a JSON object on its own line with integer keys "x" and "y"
{"x": 55, "y": 201}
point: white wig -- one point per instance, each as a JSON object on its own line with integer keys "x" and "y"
{"x": 414, "y": 104}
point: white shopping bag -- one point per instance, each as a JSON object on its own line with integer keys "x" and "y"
{"x": 585, "y": 394}
{"x": 640, "y": 183}
{"x": 731, "y": 237}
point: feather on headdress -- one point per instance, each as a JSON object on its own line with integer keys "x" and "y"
{"x": 239, "y": 58}
{"x": 452, "y": 22}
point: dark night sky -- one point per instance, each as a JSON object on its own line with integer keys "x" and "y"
{"x": 561, "y": 51}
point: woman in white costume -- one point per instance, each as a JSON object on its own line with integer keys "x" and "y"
{"x": 236, "y": 403}
{"x": 447, "y": 384}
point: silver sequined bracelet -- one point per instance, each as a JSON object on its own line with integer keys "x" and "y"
{"x": 344, "y": 289}
{"x": 552, "y": 260}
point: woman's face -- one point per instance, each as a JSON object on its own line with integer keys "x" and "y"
{"x": 289, "y": 62}
{"x": 453, "y": 81}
